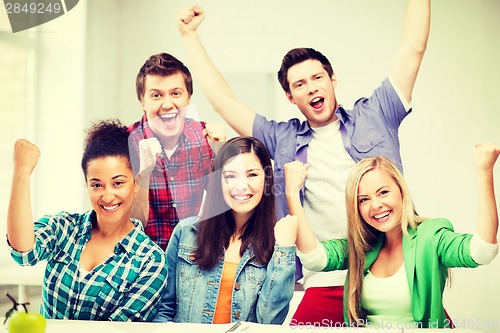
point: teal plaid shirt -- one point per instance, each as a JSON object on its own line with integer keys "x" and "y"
{"x": 126, "y": 287}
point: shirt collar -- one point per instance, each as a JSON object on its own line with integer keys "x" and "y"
{"x": 305, "y": 129}
{"x": 189, "y": 126}
{"x": 342, "y": 114}
{"x": 128, "y": 244}
{"x": 373, "y": 253}
{"x": 86, "y": 221}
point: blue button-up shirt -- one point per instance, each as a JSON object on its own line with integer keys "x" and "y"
{"x": 369, "y": 129}
{"x": 126, "y": 287}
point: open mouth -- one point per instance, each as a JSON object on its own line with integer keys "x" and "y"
{"x": 317, "y": 103}
{"x": 169, "y": 119}
{"x": 382, "y": 217}
{"x": 110, "y": 208}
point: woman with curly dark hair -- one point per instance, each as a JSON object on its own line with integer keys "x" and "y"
{"x": 100, "y": 264}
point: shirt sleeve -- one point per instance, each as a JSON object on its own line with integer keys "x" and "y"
{"x": 46, "y": 235}
{"x": 336, "y": 254}
{"x": 168, "y": 307}
{"x": 271, "y": 132}
{"x": 133, "y": 148}
{"x": 315, "y": 260}
{"x": 386, "y": 100}
{"x": 277, "y": 291}
{"x": 406, "y": 104}
{"x": 482, "y": 252}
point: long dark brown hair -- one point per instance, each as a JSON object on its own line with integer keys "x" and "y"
{"x": 217, "y": 224}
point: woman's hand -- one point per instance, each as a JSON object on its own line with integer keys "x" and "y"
{"x": 296, "y": 173}
{"x": 285, "y": 230}
{"x": 26, "y": 156}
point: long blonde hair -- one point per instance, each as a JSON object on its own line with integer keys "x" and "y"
{"x": 361, "y": 236}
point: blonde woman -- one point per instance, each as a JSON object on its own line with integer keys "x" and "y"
{"x": 398, "y": 261}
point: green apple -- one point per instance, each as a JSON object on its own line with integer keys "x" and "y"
{"x": 26, "y": 322}
{"x": 23, "y": 322}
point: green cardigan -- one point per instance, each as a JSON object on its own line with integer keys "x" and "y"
{"x": 428, "y": 253}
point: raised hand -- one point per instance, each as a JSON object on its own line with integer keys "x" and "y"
{"x": 26, "y": 156}
{"x": 20, "y": 231}
{"x": 215, "y": 132}
{"x": 285, "y": 230}
{"x": 296, "y": 173}
{"x": 189, "y": 19}
{"x": 148, "y": 150}
{"x": 485, "y": 156}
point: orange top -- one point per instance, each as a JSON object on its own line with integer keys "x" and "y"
{"x": 222, "y": 313}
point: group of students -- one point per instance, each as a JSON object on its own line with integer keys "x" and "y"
{"x": 155, "y": 248}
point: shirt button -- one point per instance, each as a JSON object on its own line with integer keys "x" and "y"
{"x": 237, "y": 286}
{"x": 172, "y": 178}
{"x": 174, "y": 205}
{"x": 237, "y": 314}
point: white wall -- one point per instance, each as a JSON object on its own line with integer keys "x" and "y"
{"x": 59, "y": 111}
{"x": 54, "y": 106}
{"x": 455, "y": 97}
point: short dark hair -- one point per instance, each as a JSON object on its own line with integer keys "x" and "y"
{"x": 105, "y": 138}
{"x": 217, "y": 223}
{"x": 162, "y": 64}
{"x": 296, "y": 56}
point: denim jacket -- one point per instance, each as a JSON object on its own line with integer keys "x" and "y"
{"x": 261, "y": 293}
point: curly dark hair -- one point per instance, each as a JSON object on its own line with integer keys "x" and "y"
{"x": 105, "y": 138}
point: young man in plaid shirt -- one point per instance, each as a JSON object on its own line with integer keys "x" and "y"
{"x": 170, "y": 152}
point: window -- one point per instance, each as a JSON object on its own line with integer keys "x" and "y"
{"x": 16, "y": 75}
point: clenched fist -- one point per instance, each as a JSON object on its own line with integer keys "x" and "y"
{"x": 26, "y": 156}
{"x": 285, "y": 230}
{"x": 189, "y": 19}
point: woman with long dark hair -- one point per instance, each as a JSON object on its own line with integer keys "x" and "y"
{"x": 229, "y": 265}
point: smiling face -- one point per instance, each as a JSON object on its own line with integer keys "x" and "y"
{"x": 243, "y": 184}
{"x": 380, "y": 202}
{"x": 165, "y": 102}
{"x": 111, "y": 187}
{"x": 312, "y": 90}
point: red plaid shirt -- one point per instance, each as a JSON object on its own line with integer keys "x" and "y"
{"x": 176, "y": 184}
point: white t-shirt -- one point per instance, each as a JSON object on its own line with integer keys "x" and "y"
{"x": 329, "y": 166}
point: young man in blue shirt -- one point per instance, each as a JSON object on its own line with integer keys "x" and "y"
{"x": 331, "y": 140}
